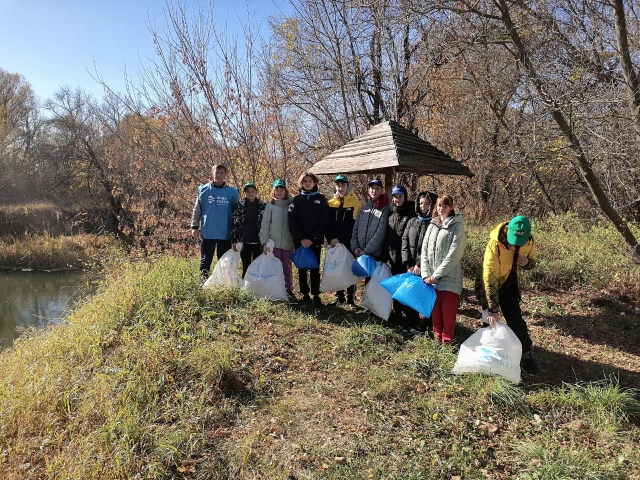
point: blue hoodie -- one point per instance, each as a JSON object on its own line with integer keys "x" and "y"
{"x": 213, "y": 209}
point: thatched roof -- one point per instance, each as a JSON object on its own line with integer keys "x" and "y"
{"x": 389, "y": 145}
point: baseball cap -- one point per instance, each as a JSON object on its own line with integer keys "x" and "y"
{"x": 279, "y": 183}
{"x": 249, "y": 185}
{"x": 375, "y": 181}
{"x": 399, "y": 189}
{"x": 341, "y": 178}
{"x": 519, "y": 230}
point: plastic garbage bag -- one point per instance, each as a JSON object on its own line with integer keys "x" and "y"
{"x": 225, "y": 272}
{"x": 364, "y": 266}
{"x": 392, "y": 284}
{"x": 336, "y": 274}
{"x": 491, "y": 350}
{"x": 304, "y": 258}
{"x": 414, "y": 293}
{"x": 265, "y": 276}
{"x": 377, "y": 299}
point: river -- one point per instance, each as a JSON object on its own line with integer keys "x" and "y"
{"x": 36, "y": 299}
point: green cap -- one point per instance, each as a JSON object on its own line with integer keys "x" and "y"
{"x": 279, "y": 183}
{"x": 249, "y": 185}
{"x": 519, "y": 230}
{"x": 341, "y": 178}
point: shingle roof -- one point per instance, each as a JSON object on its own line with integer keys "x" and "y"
{"x": 389, "y": 145}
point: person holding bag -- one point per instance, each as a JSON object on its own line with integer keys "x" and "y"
{"x": 275, "y": 226}
{"x": 412, "y": 240}
{"x": 246, "y": 220}
{"x": 370, "y": 228}
{"x": 440, "y": 260}
{"x": 308, "y": 215}
{"x": 510, "y": 249}
{"x": 344, "y": 208}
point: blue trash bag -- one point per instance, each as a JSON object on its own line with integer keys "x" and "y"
{"x": 416, "y": 294}
{"x": 364, "y": 266}
{"x": 304, "y": 258}
{"x": 392, "y": 284}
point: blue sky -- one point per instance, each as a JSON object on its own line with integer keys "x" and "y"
{"x": 59, "y": 42}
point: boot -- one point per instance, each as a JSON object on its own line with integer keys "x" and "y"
{"x": 529, "y": 365}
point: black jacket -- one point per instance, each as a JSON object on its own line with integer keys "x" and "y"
{"x": 414, "y": 233}
{"x": 398, "y": 219}
{"x": 308, "y": 215}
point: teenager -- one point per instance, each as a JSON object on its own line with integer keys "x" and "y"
{"x": 246, "y": 220}
{"x": 370, "y": 228}
{"x": 440, "y": 261}
{"x": 308, "y": 215}
{"x": 344, "y": 208}
{"x": 511, "y": 248}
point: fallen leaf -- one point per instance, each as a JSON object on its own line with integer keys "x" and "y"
{"x": 341, "y": 460}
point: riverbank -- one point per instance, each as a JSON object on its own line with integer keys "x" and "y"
{"x": 154, "y": 377}
{"x": 46, "y": 252}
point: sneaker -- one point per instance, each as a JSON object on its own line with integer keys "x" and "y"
{"x": 338, "y": 301}
{"x": 316, "y": 300}
{"x": 306, "y": 298}
{"x": 529, "y": 365}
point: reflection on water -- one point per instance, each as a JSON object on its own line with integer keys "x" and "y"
{"x": 36, "y": 299}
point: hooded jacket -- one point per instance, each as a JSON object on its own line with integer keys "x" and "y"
{"x": 308, "y": 215}
{"x": 500, "y": 259}
{"x": 398, "y": 219}
{"x": 275, "y": 224}
{"x": 343, "y": 212}
{"x": 442, "y": 251}
{"x": 370, "y": 228}
{"x": 414, "y": 233}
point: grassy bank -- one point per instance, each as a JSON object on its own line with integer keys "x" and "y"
{"x": 156, "y": 378}
{"x": 46, "y": 252}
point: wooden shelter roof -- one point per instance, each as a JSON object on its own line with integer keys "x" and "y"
{"x": 387, "y": 146}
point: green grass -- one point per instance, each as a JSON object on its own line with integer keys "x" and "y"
{"x": 154, "y": 377}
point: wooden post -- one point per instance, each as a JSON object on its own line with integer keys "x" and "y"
{"x": 388, "y": 179}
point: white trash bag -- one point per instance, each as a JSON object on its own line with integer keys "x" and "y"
{"x": 491, "y": 350}
{"x": 225, "y": 272}
{"x": 265, "y": 277}
{"x": 376, "y": 298}
{"x": 336, "y": 273}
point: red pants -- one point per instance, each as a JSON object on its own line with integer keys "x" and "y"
{"x": 444, "y": 315}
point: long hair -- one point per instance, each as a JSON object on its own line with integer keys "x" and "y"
{"x": 273, "y": 194}
{"x": 443, "y": 200}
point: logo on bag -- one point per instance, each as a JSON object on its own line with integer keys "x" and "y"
{"x": 500, "y": 359}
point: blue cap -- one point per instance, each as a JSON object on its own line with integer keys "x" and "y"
{"x": 375, "y": 181}
{"x": 399, "y": 189}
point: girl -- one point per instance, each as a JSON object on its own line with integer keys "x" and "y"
{"x": 246, "y": 220}
{"x": 275, "y": 226}
{"x": 440, "y": 259}
{"x": 308, "y": 215}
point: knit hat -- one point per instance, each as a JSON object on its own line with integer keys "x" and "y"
{"x": 279, "y": 183}
{"x": 341, "y": 178}
{"x": 519, "y": 230}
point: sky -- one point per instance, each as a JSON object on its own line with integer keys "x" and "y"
{"x": 65, "y": 42}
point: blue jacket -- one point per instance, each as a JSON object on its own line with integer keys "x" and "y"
{"x": 213, "y": 209}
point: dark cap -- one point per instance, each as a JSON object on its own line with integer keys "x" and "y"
{"x": 375, "y": 181}
{"x": 399, "y": 189}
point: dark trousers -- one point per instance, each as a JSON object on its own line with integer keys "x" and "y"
{"x": 350, "y": 293}
{"x": 509, "y": 298}
{"x": 207, "y": 248}
{"x": 314, "y": 275}
{"x": 250, "y": 251}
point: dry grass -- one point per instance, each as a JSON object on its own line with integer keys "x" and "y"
{"x": 156, "y": 378}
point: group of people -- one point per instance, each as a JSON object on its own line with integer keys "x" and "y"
{"x": 425, "y": 237}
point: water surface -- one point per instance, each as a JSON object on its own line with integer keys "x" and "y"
{"x": 36, "y": 299}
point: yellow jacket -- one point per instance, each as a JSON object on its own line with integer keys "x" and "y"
{"x": 497, "y": 265}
